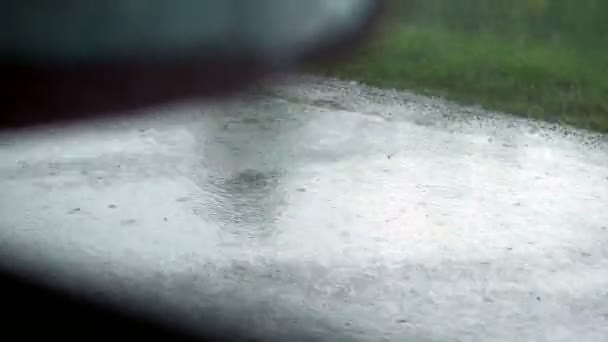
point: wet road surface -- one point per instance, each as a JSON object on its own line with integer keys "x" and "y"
{"x": 322, "y": 210}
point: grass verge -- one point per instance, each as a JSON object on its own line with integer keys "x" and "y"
{"x": 543, "y": 80}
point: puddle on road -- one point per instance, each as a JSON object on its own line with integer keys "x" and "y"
{"x": 313, "y": 198}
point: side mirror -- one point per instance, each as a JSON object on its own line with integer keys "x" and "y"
{"x": 68, "y": 58}
{"x": 269, "y": 32}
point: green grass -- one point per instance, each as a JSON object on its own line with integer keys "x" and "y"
{"x": 549, "y": 80}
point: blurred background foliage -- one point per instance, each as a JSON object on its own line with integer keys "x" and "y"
{"x": 578, "y": 22}
{"x": 545, "y": 59}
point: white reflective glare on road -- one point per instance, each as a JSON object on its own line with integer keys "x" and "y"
{"x": 322, "y": 210}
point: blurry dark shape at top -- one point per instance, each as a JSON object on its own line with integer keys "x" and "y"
{"x": 118, "y": 54}
{"x": 273, "y": 31}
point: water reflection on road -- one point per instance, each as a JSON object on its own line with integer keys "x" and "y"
{"x": 325, "y": 210}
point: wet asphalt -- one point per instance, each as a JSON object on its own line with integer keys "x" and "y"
{"x": 321, "y": 210}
